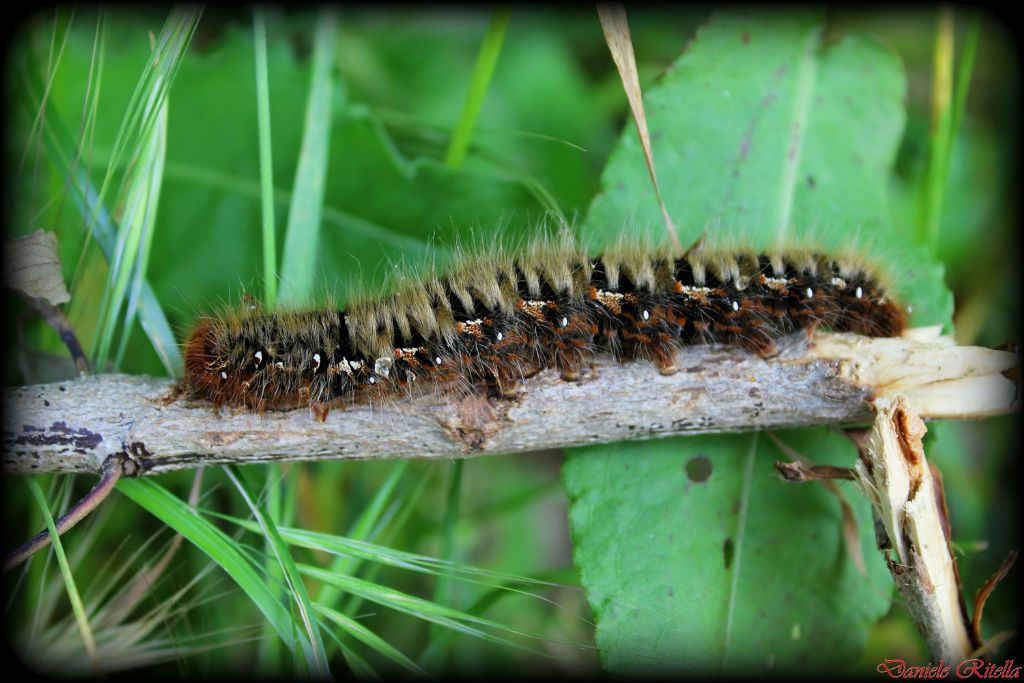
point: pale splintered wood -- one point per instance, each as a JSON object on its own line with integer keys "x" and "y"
{"x": 74, "y": 426}
{"x": 895, "y": 477}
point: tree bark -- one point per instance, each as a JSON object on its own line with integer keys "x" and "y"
{"x": 835, "y": 379}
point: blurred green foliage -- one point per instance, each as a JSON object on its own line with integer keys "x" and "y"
{"x": 549, "y": 121}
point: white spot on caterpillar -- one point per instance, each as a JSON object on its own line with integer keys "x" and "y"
{"x": 223, "y": 375}
{"x": 382, "y": 366}
{"x": 565, "y": 322}
{"x": 438, "y": 360}
{"x": 810, "y": 293}
{"x": 646, "y": 315}
{"x": 735, "y": 306}
{"x": 279, "y": 365}
{"x": 859, "y": 293}
{"x": 316, "y": 362}
{"x": 500, "y": 336}
{"x": 258, "y": 356}
{"x": 372, "y": 380}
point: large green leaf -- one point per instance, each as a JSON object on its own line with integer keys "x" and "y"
{"x": 761, "y": 134}
{"x": 695, "y": 556}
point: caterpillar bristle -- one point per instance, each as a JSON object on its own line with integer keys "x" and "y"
{"x": 499, "y": 317}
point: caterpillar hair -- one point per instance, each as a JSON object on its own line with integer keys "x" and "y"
{"x": 498, "y": 317}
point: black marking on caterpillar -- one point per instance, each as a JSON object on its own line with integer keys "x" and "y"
{"x": 496, "y": 319}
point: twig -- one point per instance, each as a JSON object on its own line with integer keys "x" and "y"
{"x": 799, "y": 473}
{"x": 60, "y": 324}
{"x": 909, "y": 507}
{"x": 113, "y": 468}
{"x": 838, "y": 379}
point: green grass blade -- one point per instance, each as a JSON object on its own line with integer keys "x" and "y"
{"x": 384, "y": 556}
{"x": 138, "y": 138}
{"x": 52, "y": 65}
{"x": 361, "y": 530}
{"x": 443, "y": 589}
{"x": 226, "y": 552}
{"x": 962, "y": 87}
{"x": 361, "y": 668}
{"x": 104, "y": 229}
{"x": 92, "y": 94}
{"x": 483, "y": 71}
{"x": 46, "y": 605}
{"x": 934, "y": 186}
{"x": 270, "y": 650}
{"x": 371, "y": 639}
{"x": 142, "y": 210}
{"x": 69, "y": 580}
{"x": 439, "y": 645}
{"x": 302, "y": 239}
{"x": 463, "y": 622}
{"x": 313, "y": 648}
{"x": 409, "y": 503}
{"x": 266, "y": 160}
{"x": 152, "y": 88}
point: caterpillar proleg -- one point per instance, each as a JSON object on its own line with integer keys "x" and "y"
{"x": 499, "y": 317}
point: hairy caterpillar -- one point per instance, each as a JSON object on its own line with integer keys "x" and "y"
{"x": 496, "y": 318}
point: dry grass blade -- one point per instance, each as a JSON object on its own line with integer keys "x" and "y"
{"x": 986, "y": 590}
{"x": 620, "y": 44}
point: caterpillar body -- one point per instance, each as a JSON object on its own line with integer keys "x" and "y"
{"x": 500, "y": 317}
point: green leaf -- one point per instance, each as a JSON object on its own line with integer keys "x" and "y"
{"x": 763, "y": 135}
{"x": 695, "y": 556}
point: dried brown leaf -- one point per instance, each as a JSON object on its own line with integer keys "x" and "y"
{"x": 32, "y": 267}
